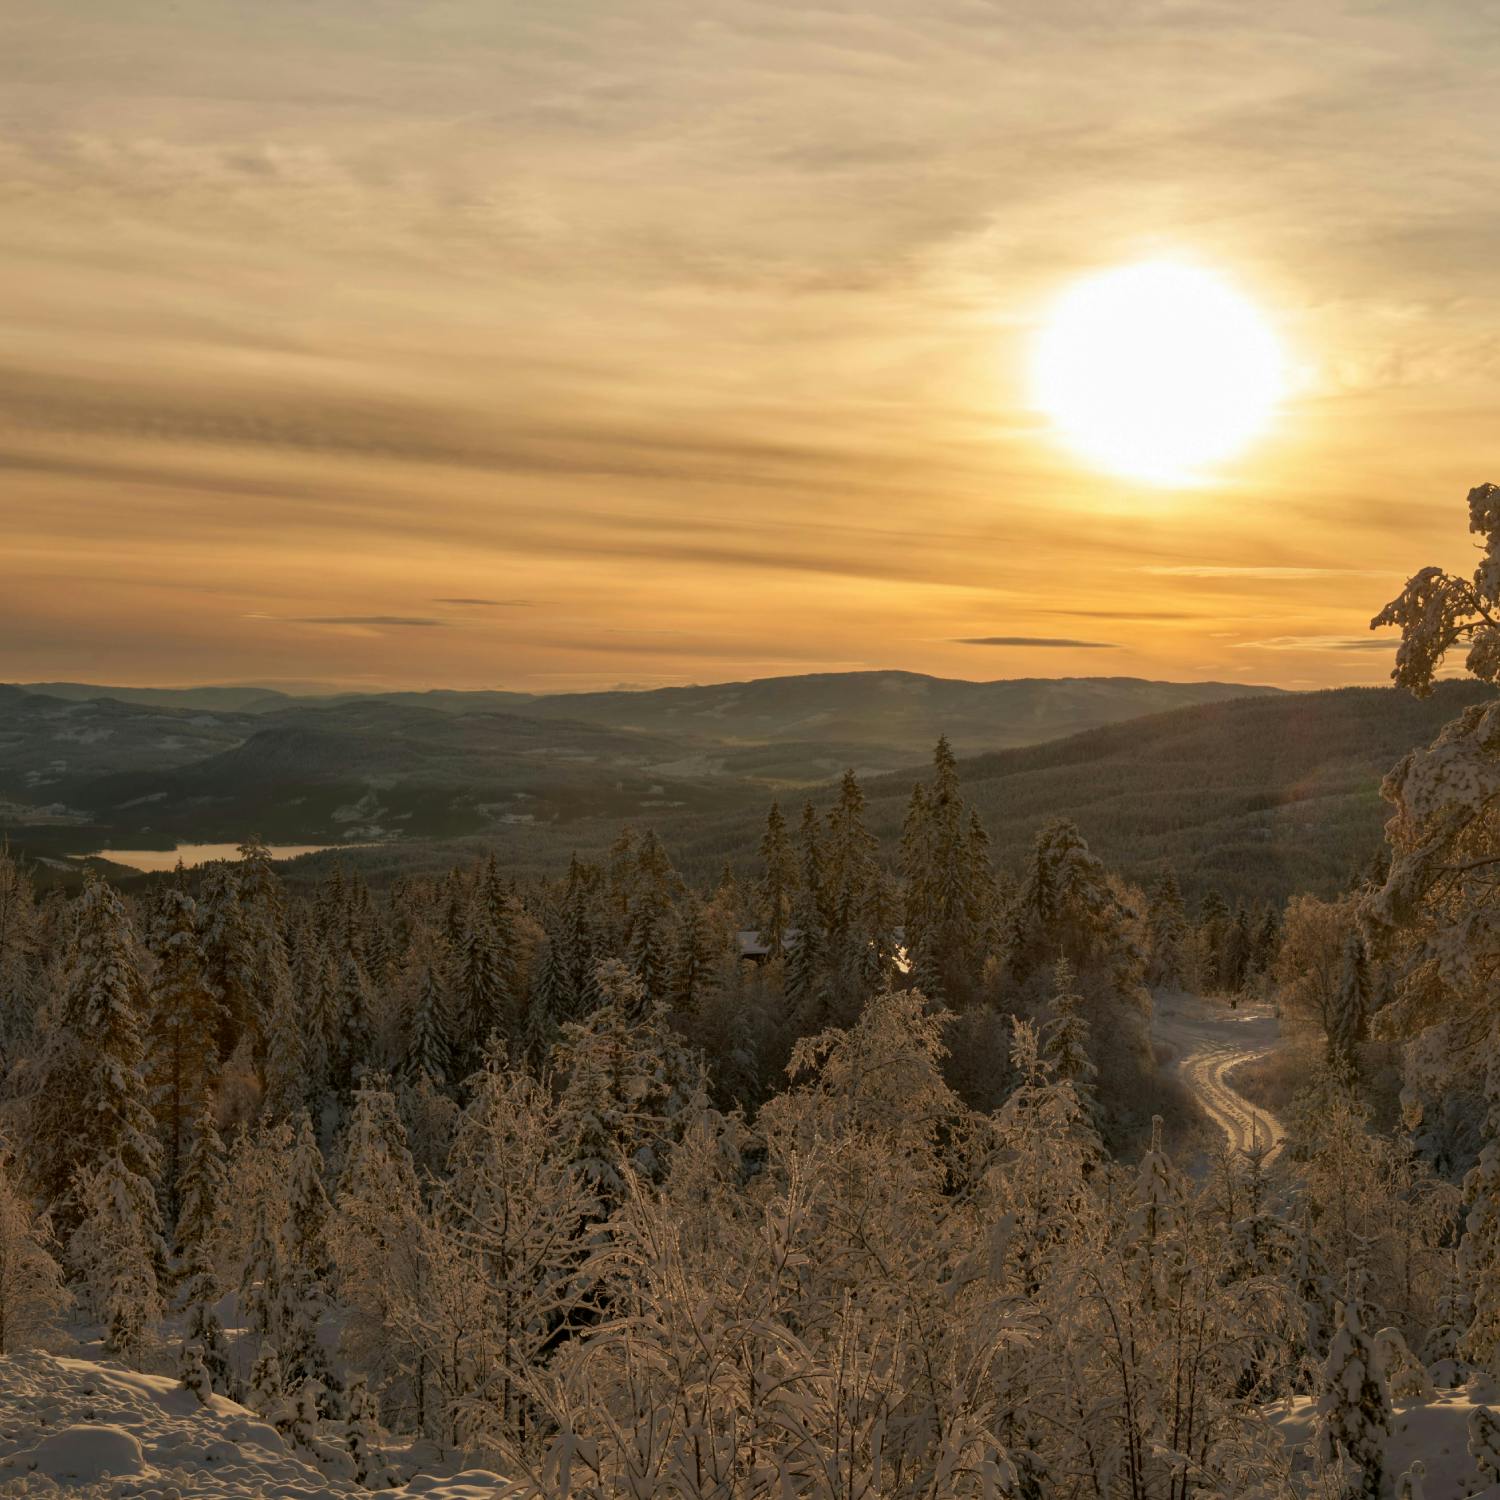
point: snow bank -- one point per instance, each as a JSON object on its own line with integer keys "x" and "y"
{"x": 70, "y": 1426}
{"x": 1437, "y": 1432}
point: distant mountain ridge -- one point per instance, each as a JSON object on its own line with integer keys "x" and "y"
{"x": 881, "y": 709}
{"x": 215, "y": 763}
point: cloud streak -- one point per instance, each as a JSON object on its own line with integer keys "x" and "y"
{"x": 1034, "y": 640}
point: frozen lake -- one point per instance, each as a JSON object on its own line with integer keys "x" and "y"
{"x": 150, "y": 860}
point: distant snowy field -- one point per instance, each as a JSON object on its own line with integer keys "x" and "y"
{"x": 86, "y": 1429}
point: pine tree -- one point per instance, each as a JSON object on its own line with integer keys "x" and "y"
{"x": 809, "y": 991}
{"x": 182, "y": 1035}
{"x": 266, "y": 1392}
{"x": 1167, "y": 934}
{"x": 485, "y": 1002}
{"x": 362, "y": 1433}
{"x": 650, "y": 916}
{"x": 287, "y": 1075}
{"x": 199, "y": 1237}
{"x": 1065, "y": 1048}
{"x": 694, "y": 973}
{"x": 429, "y": 1046}
{"x": 89, "y": 1107}
{"x": 775, "y": 891}
{"x": 545, "y": 1003}
{"x": 355, "y": 1038}
{"x": 116, "y": 1250}
{"x": 1351, "y": 1013}
{"x": 229, "y": 959}
{"x": 1213, "y": 930}
{"x": 1354, "y": 1412}
{"x": 1484, "y": 1444}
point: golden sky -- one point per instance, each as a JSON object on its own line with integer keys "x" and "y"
{"x": 548, "y": 346}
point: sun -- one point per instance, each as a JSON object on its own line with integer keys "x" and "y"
{"x": 1157, "y": 371}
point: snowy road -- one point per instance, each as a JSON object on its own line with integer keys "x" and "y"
{"x": 1208, "y": 1040}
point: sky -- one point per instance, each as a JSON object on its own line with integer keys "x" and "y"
{"x": 471, "y": 343}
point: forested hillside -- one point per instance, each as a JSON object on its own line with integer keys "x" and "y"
{"x": 1255, "y": 797}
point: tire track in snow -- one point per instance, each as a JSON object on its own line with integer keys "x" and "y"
{"x": 1210, "y": 1040}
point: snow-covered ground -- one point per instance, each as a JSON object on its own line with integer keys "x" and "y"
{"x": 1208, "y": 1039}
{"x": 1436, "y": 1433}
{"x": 89, "y": 1429}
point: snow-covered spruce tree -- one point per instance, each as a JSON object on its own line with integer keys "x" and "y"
{"x": 354, "y": 1038}
{"x": 229, "y": 957}
{"x": 302, "y": 1279}
{"x": 429, "y": 1043}
{"x": 362, "y": 1434}
{"x": 1065, "y": 1048}
{"x": 1437, "y": 916}
{"x": 484, "y": 1000}
{"x": 654, "y": 884}
{"x": 375, "y": 1239}
{"x": 185, "y": 1021}
{"x": 627, "y": 1080}
{"x": 265, "y": 1392}
{"x": 1152, "y": 1232}
{"x": 1354, "y": 1410}
{"x": 1405, "y": 1378}
{"x": 87, "y": 1105}
{"x": 199, "y": 1242}
{"x": 31, "y": 1281}
{"x": 546, "y": 1001}
{"x": 115, "y": 1252}
{"x": 287, "y": 1076}
{"x": 193, "y": 1373}
{"x": 1484, "y": 1444}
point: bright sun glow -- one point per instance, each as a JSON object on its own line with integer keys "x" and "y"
{"x": 1157, "y": 371}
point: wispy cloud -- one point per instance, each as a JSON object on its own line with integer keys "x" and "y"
{"x": 1241, "y": 570}
{"x": 1034, "y": 640}
{"x": 1318, "y": 643}
{"x": 1146, "y": 615}
{"x": 423, "y": 622}
{"x": 486, "y": 603}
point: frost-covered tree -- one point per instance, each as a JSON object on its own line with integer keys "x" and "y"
{"x": 199, "y": 1242}
{"x": 1438, "y": 912}
{"x": 1354, "y": 1409}
{"x": 115, "y": 1252}
{"x": 88, "y": 1104}
{"x": 32, "y": 1293}
{"x": 1065, "y": 1048}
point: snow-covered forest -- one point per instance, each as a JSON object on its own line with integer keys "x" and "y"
{"x": 859, "y": 1179}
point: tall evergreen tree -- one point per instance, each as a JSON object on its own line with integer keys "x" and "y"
{"x": 775, "y": 892}
{"x": 182, "y": 1035}
{"x": 89, "y": 1106}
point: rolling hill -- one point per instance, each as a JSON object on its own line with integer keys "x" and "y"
{"x": 1257, "y": 796}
